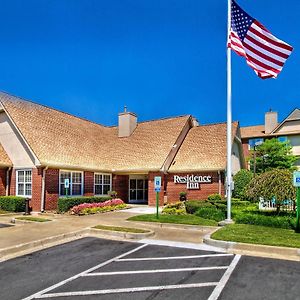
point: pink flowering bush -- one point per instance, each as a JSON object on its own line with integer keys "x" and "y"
{"x": 93, "y": 208}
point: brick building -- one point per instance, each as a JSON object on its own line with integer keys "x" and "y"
{"x": 286, "y": 130}
{"x": 42, "y": 148}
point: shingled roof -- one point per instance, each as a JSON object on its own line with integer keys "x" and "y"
{"x": 253, "y": 131}
{"x": 4, "y": 159}
{"x": 61, "y": 140}
{"x": 204, "y": 148}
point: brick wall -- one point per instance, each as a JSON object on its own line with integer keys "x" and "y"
{"x": 35, "y": 203}
{"x": 51, "y": 189}
{"x": 88, "y": 184}
{"x": 120, "y": 184}
{"x": 151, "y": 192}
{"x": 206, "y": 189}
{"x": 245, "y": 145}
{"x": 12, "y": 180}
{"x": 3, "y": 182}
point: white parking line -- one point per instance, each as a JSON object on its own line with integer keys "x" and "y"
{"x": 38, "y": 294}
{"x": 129, "y": 290}
{"x": 219, "y": 288}
{"x": 155, "y": 271}
{"x": 174, "y": 257}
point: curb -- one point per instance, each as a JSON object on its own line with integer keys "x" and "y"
{"x": 122, "y": 234}
{"x": 42, "y": 243}
{"x": 172, "y": 226}
{"x": 19, "y": 221}
{"x": 269, "y": 251}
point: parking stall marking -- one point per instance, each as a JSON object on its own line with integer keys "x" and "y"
{"x": 155, "y": 271}
{"x": 36, "y": 295}
{"x": 174, "y": 257}
{"x": 219, "y": 285}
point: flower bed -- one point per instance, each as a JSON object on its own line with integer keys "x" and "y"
{"x": 93, "y": 208}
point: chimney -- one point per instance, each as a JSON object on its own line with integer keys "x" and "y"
{"x": 127, "y": 123}
{"x": 271, "y": 121}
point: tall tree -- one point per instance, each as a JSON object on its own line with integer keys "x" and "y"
{"x": 272, "y": 154}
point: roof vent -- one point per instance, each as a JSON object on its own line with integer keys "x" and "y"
{"x": 127, "y": 123}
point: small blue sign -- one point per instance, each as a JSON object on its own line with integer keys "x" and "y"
{"x": 157, "y": 189}
{"x": 296, "y": 179}
{"x": 157, "y": 183}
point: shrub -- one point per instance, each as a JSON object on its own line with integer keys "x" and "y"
{"x": 241, "y": 180}
{"x": 177, "y": 208}
{"x": 65, "y": 203}
{"x": 276, "y": 183}
{"x": 263, "y": 220}
{"x": 193, "y": 205}
{"x": 93, "y": 208}
{"x": 211, "y": 213}
{"x": 12, "y": 203}
{"x": 214, "y": 197}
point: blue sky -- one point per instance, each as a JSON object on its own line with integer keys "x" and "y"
{"x": 161, "y": 58}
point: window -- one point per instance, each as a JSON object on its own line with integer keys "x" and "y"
{"x": 255, "y": 142}
{"x": 24, "y": 183}
{"x": 282, "y": 139}
{"x": 102, "y": 184}
{"x": 75, "y": 181}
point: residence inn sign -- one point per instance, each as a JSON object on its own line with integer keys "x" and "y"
{"x": 192, "y": 181}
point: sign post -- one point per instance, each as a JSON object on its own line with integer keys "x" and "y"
{"x": 296, "y": 182}
{"x": 157, "y": 186}
{"x": 67, "y": 185}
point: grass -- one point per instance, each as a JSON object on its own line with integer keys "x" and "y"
{"x": 122, "y": 229}
{"x": 2, "y": 212}
{"x": 174, "y": 219}
{"x": 253, "y": 234}
{"x": 33, "y": 219}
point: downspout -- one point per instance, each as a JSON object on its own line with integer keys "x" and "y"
{"x": 7, "y": 181}
{"x": 43, "y": 189}
{"x": 220, "y": 182}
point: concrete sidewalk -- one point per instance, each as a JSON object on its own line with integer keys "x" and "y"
{"x": 63, "y": 228}
{"x": 67, "y": 227}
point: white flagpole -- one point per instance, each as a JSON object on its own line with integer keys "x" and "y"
{"x": 229, "y": 120}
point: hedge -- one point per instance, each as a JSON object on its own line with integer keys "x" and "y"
{"x": 263, "y": 220}
{"x": 12, "y": 203}
{"x": 211, "y": 213}
{"x": 66, "y": 203}
{"x": 193, "y": 205}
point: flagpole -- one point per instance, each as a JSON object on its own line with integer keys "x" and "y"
{"x": 229, "y": 121}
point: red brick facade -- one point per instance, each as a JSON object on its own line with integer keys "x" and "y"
{"x": 88, "y": 184}
{"x": 37, "y": 175}
{"x": 120, "y": 184}
{"x": 206, "y": 189}
{"x": 3, "y": 182}
{"x": 51, "y": 189}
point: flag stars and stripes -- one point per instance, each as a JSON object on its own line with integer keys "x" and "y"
{"x": 264, "y": 53}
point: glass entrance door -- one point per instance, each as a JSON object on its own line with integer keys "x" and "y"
{"x": 138, "y": 189}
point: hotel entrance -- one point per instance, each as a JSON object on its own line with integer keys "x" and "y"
{"x": 138, "y": 189}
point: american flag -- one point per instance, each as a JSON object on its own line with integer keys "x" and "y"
{"x": 264, "y": 53}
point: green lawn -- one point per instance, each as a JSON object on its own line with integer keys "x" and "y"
{"x": 253, "y": 234}
{"x": 183, "y": 219}
{"x": 123, "y": 229}
{"x": 33, "y": 219}
{"x": 2, "y": 212}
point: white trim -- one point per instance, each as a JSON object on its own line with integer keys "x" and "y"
{"x": 17, "y": 188}
{"x": 82, "y": 183}
{"x": 110, "y": 183}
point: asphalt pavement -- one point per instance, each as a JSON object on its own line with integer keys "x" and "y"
{"x": 92, "y": 268}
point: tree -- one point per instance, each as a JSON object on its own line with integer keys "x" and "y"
{"x": 241, "y": 180}
{"x": 272, "y": 154}
{"x": 275, "y": 184}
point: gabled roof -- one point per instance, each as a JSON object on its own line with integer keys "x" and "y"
{"x": 293, "y": 116}
{"x": 204, "y": 148}
{"x": 253, "y": 131}
{"x": 61, "y": 140}
{"x": 4, "y": 159}
{"x": 259, "y": 130}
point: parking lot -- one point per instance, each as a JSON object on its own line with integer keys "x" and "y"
{"x": 93, "y": 268}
